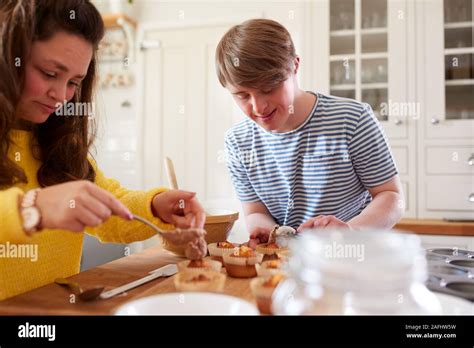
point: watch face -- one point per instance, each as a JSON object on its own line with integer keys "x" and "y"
{"x": 31, "y": 217}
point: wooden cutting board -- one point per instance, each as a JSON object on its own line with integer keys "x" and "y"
{"x": 53, "y": 299}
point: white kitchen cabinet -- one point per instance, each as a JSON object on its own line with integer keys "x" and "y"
{"x": 368, "y": 57}
{"x": 449, "y": 159}
{"x": 445, "y": 75}
{"x": 412, "y": 61}
{"x": 368, "y": 44}
{"x": 446, "y": 55}
{"x": 448, "y": 193}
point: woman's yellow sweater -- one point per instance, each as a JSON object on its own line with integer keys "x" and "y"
{"x": 58, "y": 251}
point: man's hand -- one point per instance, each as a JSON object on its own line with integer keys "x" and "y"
{"x": 324, "y": 221}
{"x": 258, "y": 235}
{"x": 259, "y": 222}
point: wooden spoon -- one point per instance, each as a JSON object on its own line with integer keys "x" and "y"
{"x": 171, "y": 173}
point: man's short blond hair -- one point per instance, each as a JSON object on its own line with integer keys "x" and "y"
{"x": 259, "y": 53}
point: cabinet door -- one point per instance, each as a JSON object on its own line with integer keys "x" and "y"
{"x": 187, "y": 112}
{"x": 368, "y": 59}
{"x": 448, "y": 68}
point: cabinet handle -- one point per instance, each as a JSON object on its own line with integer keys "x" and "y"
{"x": 398, "y": 122}
{"x": 471, "y": 198}
{"x": 434, "y": 121}
{"x": 470, "y": 160}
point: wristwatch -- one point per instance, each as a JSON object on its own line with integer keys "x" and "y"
{"x": 29, "y": 212}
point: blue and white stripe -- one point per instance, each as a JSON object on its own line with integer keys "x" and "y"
{"x": 322, "y": 168}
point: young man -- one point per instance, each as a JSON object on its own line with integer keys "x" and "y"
{"x": 300, "y": 158}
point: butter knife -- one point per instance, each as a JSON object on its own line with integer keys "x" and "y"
{"x": 164, "y": 271}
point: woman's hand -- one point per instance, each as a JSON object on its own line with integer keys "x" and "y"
{"x": 75, "y": 205}
{"x": 324, "y": 221}
{"x": 180, "y": 208}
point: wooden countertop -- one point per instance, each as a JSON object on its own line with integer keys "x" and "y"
{"x": 437, "y": 227}
{"x": 53, "y": 299}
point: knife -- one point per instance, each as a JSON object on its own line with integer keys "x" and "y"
{"x": 164, "y": 271}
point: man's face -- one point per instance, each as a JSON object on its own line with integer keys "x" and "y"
{"x": 270, "y": 109}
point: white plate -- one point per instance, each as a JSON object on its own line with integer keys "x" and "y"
{"x": 188, "y": 303}
{"x": 452, "y": 305}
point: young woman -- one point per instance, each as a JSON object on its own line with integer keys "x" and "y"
{"x": 302, "y": 159}
{"x": 50, "y": 188}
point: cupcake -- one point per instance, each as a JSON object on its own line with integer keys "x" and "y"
{"x": 262, "y": 289}
{"x": 270, "y": 267}
{"x": 205, "y": 264}
{"x": 216, "y": 250}
{"x": 269, "y": 250}
{"x": 241, "y": 263}
{"x": 206, "y": 281}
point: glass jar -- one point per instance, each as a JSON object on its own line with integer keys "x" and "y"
{"x": 356, "y": 272}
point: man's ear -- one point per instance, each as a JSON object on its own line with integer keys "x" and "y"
{"x": 297, "y": 64}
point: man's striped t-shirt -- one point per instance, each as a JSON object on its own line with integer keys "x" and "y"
{"x": 324, "y": 167}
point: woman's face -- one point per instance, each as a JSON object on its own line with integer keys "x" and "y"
{"x": 53, "y": 73}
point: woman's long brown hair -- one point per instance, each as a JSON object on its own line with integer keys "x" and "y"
{"x": 63, "y": 142}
